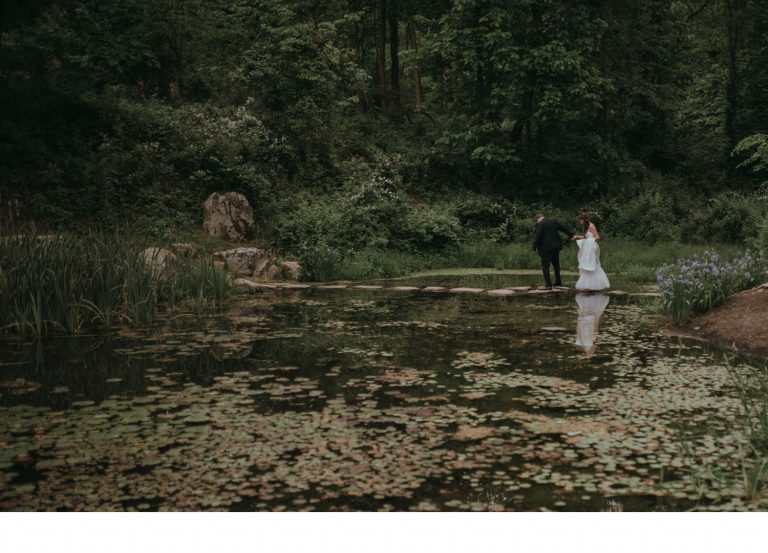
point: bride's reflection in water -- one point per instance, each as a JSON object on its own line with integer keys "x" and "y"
{"x": 591, "y": 307}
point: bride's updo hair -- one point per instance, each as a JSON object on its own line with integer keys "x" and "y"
{"x": 584, "y": 218}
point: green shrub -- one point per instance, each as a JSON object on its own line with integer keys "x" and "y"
{"x": 428, "y": 228}
{"x": 729, "y": 217}
{"x": 319, "y": 262}
{"x": 760, "y": 241}
{"x": 649, "y": 216}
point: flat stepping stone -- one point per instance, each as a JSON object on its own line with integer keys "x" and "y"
{"x": 252, "y": 286}
{"x": 295, "y": 286}
{"x": 333, "y": 287}
{"x": 539, "y": 292}
{"x": 367, "y": 287}
{"x": 519, "y": 288}
{"x": 648, "y": 294}
{"x": 617, "y": 293}
{"x": 554, "y": 329}
{"x": 501, "y": 292}
{"x": 467, "y": 290}
{"x": 434, "y": 289}
{"x": 563, "y": 288}
{"x": 405, "y": 288}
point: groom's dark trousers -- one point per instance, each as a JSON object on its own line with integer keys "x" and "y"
{"x": 547, "y": 243}
{"x": 547, "y": 259}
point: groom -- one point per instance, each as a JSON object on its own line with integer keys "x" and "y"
{"x": 547, "y": 243}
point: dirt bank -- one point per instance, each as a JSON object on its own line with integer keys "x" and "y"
{"x": 740, "y": 324}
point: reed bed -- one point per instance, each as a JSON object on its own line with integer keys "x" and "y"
{"x": 69, "y": 283}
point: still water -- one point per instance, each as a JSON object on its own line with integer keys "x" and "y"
{"x": 355, "y": 400}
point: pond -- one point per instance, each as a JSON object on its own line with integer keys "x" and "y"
{"x": 371, "y": 400}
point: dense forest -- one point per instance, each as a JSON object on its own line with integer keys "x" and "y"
{"x": 401, "y": 124}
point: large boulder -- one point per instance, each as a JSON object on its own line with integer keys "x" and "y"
{"x": 273, "y": 272}
{"x": 290, "y": 269}
{"x": 244, "y": 261}
{"x": 159, "y": 259}
{"x": 228, "y": 216}
{"x": 183, "y": 249}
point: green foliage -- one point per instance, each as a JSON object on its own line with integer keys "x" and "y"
{"x": 701, "y": 282}
{"x": 128, "y": 112}
{"x": 68, "y": 283}
{"x": 754, "y": 149}
{"x": 428, "y": 228}
{"x": 649, "y": 216}
{"x": 729, "y": 217}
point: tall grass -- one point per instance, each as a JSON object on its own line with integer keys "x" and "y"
{"x": 67, "y": 283}
{"x": 634, "y": 260}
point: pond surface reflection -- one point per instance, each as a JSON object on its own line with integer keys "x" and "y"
{"x": 341, "y": 400}
{"x": 591, "y": 307}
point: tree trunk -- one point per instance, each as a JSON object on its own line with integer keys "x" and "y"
{"x": 412, "y": 37}
{"x": 394, "y": 39}
{"x": 733, "y": 14}
{"x": 176, "y": 40}
{"x": 606, "y": 14}
{"x": 381, "y": 46}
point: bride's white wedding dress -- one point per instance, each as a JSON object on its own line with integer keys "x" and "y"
{"x": 591, "y": 274}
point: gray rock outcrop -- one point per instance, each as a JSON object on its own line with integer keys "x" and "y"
{"x": 290, "y": 270}
{"x": 159, "y": 259}
{"x": 228, "y": 216}
{"x": 244, "y": 261}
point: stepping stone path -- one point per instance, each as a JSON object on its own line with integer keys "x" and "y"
{"x": 256, "y": 287}
{"x": 467, "y": 290}
{"x": 252, "y": 286}
{"x": 554, "y": 329}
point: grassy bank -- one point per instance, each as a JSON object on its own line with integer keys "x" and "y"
{"x": 70, "y": 283}
{"x": 633, "y": 260}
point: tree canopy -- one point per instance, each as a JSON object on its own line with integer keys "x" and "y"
{"x": 113, "y": 107}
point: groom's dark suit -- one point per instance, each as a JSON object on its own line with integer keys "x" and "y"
{"x": 547, "y": 243}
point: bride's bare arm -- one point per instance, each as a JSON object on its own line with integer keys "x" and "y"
{"x": 593, "y": 230}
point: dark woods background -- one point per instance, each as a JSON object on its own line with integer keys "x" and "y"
{"x": 387, "y": 123}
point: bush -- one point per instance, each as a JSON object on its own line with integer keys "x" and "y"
{"x": 729, "y": 217}
{"x": 649, "y": 216}
{"x": 760, "y": 242}
{"x": 428, "y": 228}
{"x": 319, "y": 262}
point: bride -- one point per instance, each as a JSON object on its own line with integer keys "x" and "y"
{"x": 592, "y": 276}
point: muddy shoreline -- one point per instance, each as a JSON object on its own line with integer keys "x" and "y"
{"x": 739, "y": 325}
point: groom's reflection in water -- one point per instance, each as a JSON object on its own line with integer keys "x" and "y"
{"x": 591, "y": 307}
